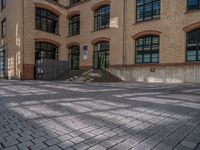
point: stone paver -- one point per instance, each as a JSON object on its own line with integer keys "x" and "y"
{"x": 62, "y": 115}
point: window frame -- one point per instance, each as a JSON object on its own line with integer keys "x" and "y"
{"x": 72, "y": 2}
{"x": 151, "y": 52}
{"x": 98, "y": 18}
{"x": 3, "y": 4}
{"x": 197, "y": 50}
{"x": 3, "y": 28}
{"x": 47, "y": 22}
{"x": 39, "y": 49}
{"x": 193, "y": 9}
{"x": 74, "y": 25}
{"x": 152, "y": 11}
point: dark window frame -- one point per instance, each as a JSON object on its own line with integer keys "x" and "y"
{"x": 74, "y": 57}
{"x": 3, "y": 4}
{"x": 197, "y": 7}
{"x": 143, "y": 6}
{"x": 100, "y": 49}
{"x": 3, "y": 63}
{"x": 3, "y": 28}
{"x": 150, "y": 52}
{"x": 193, "y": 46}
{"x": 47, "y": 49}
{"x": 102, "y": 18}
{"x": 74, "y": 25}
{"x": 72, "y": 2}
{"x": 46, "y": 21}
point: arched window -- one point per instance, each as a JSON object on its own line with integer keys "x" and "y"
{"x": 102, "y": 18}
{"x": 74, "y": 25}
{"x": 101, "y": 55}
{"x": 193, "y": 45}
{"x": 74, "y": 57}
{"x": 46, "y": 21}
{"x": 147, "y": 49}
{"x": 45, "y": 51}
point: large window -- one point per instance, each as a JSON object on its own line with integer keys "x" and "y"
{"x": 74, "y": 25}
{"x": 147, "y": 10}
{"x": 193, "y": 5}
{"x": 46, "y": 21}
{"x": 45, "y": 51}
{"x": 3, "y": 4}
{"x": 3, "y": 28}
{"x": 193, "y": 46}
{"x": 102, "y": 18}
{"x": 147, "y": 49}
{"x": 71, "y": 2}
{"x": 101, "y": 55}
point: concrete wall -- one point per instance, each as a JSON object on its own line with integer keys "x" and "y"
{"x": 167, "y": 74}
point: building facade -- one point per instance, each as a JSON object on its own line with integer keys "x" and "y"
{"x": 141, "y": 40}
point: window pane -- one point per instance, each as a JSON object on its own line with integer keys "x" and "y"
{"x": 147, "y": 10}
{"x": 46, "y": 21}
{"x": 193, "y": 45}
{"x": 147, "y": 49}
{"x": 193, "y": 4}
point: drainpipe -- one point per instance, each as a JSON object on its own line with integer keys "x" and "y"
{"x": 23, "y": 20}
{"x": 124, "y": 32}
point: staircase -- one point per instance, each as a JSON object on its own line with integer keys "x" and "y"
{"x": 93, "y": 75}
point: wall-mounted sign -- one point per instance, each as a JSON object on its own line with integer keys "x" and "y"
{"x": 85, "y": 52}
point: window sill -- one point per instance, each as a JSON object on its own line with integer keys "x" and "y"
{"x": 107, "y": 28}
{"x": 192, "y": 11}
{"x": 37, "y": 30}
{"x": 146, "y": 21}
{"x": 69, "y": 36}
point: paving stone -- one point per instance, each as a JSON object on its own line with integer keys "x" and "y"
{"x": 52, "y": 142}
{"x": 10, "y": 143}
{"x": 108, "y": 143}
{"x": 24, "y": 145}
{"x": 53, "y": 148}
{"x": 188, "y": 144}
{"x": 39, "y": 140}
{"x": 25, "y": 138}
{"x": 65, "y": 144}
{"x": 99, "y": 147}
{"x": 81, "y": 146}
{"x": 11, "y": 148}
{"x": 77, "y": 139}
{"x": 38, "y": 146}
{"x": 122, "y": 146}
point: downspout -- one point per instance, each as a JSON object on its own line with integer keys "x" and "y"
{"x": 124, "y": 32}
{"x": 23, "y": 45}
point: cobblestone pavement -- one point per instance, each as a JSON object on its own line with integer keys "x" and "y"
{"x": 96, "y": 116}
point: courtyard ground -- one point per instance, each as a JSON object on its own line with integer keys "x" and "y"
{"x": 116, "y": 116}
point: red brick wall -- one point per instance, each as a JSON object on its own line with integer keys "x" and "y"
{"x": 28, "y": 72}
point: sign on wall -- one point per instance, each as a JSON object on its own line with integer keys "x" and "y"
{"x": 85, "y": 52}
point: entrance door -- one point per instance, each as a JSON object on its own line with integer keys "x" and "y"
{"x": 75, "y": 57}
{"x": 101, "y": 59}
{"x": 101, "y": 55}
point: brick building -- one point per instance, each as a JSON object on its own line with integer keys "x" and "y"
{"x": 140, "y": 40}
